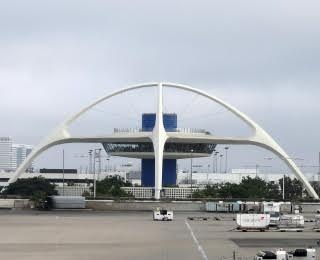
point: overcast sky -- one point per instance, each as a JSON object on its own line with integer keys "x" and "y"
{"x": 262, "y": 57}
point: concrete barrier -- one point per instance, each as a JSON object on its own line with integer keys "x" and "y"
{"x": 144, "y": 205}
{"x": 6, "y": 203}
{"x": 14, "y": 203}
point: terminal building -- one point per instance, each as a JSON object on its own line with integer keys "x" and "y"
{"x": 172, "y": 151}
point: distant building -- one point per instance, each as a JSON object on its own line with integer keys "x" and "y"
{"x": 6, "y": 154}
{"x": 19, "y": 154}
{"x": 12, "y": 155}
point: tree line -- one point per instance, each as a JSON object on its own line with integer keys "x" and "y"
{"x": 254, "y": 188}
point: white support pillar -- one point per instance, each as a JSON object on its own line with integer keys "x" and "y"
{"x": 159, "y": 137}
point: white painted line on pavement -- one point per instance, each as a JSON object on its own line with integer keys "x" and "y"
{"x": 195, "y": 240}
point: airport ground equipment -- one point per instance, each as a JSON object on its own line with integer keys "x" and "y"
{"x": 225, "y": 207}
{"x": 65, "y": 202}
{"x": 163, "y": 214}
{"x": 273, "y": 209}
{"x": 303, "y": 254}
{"x": 247, "y": 222}
{"x": 291, "y": 223}
{"x": 317, "y": 223}
{"x": 280, "y": 254}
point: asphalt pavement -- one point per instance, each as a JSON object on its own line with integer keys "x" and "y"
{"x": 134, "y": 235}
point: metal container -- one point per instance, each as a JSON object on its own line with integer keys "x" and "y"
{"x": 291, "y": 222}
{"x": 253, "y": 221}
{"x": 66, "y": 202}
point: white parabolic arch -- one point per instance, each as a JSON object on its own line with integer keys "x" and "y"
{"x": 159, "y": 136}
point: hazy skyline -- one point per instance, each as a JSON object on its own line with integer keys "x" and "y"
{"x": 262, "y": 57}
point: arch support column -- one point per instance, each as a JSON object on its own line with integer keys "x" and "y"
{"x": 159, "y": 138}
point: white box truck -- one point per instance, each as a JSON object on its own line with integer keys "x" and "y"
{"x": 247, "y": 222}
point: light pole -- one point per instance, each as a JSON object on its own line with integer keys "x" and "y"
{"x": 191, "y": 173}
{"x": 63, "y": 172}
{"x": 96, "y": 155}
{"x": 208, "y": 174}
{"x": 226, "y": 158}
{"x": 90, "y": 161}
{"x": 283, "y": 186}
{"x": 216, "y": 159}
{"x": 213, "y": 159}
{"x": 221, "y": 155}
{"x": 108, "y": 159}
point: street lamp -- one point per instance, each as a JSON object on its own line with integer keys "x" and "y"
{"x": 191, "y": 151}
{"x": 226, "y": 158}
{"x": 108, "y": 159}
{"x": 221, "y": 155}
{"x": 216, "y": 159}
{"x": 63, "y": 172}
{"x": 96, "y": 155}
{"x": 90, "y": 161}
{"x": 283, "y": 186}
{"x": 213, "y": 160}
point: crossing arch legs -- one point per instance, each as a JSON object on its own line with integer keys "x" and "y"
{"x": 159, "y": 136}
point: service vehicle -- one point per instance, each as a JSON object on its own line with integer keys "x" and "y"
{"x": 163, "y": 214}
{"x": 280, "y": 254}
{"x": 303, "y": 254}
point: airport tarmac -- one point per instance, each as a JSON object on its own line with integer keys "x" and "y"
{"x": 133, "y": 235}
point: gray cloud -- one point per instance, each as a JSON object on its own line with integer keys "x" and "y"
{"x": 262, "y": 57}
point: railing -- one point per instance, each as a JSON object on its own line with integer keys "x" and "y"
{"x": 178, "y": 130}
{"x": 168, "y": 148}
{"x": 127, "y": 130}
{"x": 172, "y": 193}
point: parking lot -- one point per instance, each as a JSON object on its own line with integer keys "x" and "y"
{"x": 133, "y": 235}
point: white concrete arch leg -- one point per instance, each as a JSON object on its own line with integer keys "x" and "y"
{"x": 263, "y": 139}
{"x": 159, "y": 138}
{"x": 61, "y": 132}
{"x": 57, "y": 137}
{"x": 260, "y": 136}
